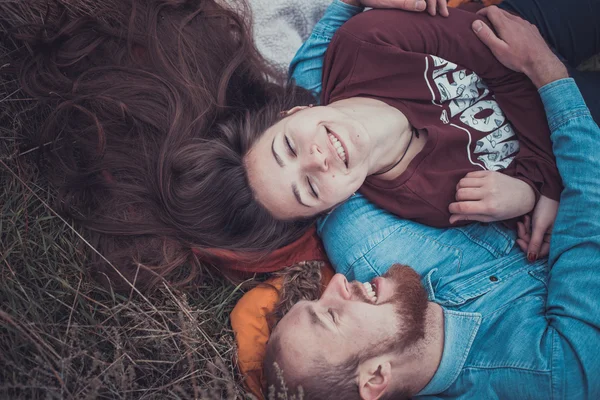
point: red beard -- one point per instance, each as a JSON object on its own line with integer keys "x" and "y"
{"x": 410, "y": 303}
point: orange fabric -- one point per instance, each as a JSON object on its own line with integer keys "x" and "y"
{"x": 308, "y": 247}
{"x": 249, "y": 322}
{"x": 249, "y": 317}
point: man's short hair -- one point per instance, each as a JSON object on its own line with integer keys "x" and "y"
{"x": 327, "y": 382}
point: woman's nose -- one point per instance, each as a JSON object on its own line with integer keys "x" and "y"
{"x": 317, "y": 158}
{"x": 338, "y": 288}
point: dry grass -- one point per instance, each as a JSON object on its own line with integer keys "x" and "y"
{"x": 64, "y": 337}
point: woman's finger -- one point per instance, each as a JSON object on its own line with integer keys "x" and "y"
{"x": 467, "y": 208}
{"x": 464, "y": 194}
{"x": 545, "y": 250}
{"x": 469, "y": 183}
{"x": 527, "y": 223}
{"x": 469, "y": 217}
{"x": 537, "y": 238}
{"x": 523, "y": 245}
{"x": 477, "y": 174}
{"x": 522, "y": 232}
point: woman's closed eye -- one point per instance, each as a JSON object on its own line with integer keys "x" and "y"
{"x": 289, "y": 146}
{"x": 312, "y": 189}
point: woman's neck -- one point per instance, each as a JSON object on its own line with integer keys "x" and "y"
{"x": 389, "y": 134}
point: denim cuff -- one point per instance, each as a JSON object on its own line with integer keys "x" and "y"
{"x": 335, "y": 16}
{"x": 563, "y": 102}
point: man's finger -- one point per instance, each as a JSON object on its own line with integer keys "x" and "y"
{"x": 486, "y": 11}
{"x": 488, "y": 37}
{"x": 431, "y": 7}
{"x": 408, "y": 5}
{"x": 443, "y": 7}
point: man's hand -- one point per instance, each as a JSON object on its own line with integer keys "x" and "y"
{"x": 534, "y": 236}
{"x": 488, "y": 196}
{"x": 519, "y": 46}
{"x": 409, "y": 5}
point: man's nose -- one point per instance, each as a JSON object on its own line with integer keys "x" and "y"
{"x": 317, "y": 158}
{"x": 338, "y": 288}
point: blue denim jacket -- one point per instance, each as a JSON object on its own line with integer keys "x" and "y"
{"x": 513, "y": 329}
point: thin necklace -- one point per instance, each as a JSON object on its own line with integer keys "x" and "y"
{"x": 412, "y": 133}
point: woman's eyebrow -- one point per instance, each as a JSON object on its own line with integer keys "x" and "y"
{"x": 277, "y": 158}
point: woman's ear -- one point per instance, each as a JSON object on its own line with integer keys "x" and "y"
{"x": 294, "y": 110}
{"x": 374, "y": 379}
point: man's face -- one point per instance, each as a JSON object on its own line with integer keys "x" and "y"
{"x": 352, "y": 318}
{"x": 308, "y": 162}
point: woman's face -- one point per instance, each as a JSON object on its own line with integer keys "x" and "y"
{"x": 308, "y": 162}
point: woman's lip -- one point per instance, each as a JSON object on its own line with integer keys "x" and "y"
{"x": 347, "y": 163}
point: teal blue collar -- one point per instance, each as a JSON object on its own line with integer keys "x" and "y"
{"x": 460, "y": 329}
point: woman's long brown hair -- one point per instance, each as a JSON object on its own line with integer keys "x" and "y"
{"x": 149, "y": 107}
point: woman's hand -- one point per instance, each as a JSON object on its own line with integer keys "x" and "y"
{"x": 534, "y": 235}
{"x": 488, "y": 196}
{"x": 431, "y": 6}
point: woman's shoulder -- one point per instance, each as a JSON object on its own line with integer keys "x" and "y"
{"x": 388, "y": 26}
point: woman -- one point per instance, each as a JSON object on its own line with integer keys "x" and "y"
{"x": 419, "y": 122}
{"x": 131, "y": 100}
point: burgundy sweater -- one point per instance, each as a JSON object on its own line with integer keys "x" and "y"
{"x": 448, "y": 83}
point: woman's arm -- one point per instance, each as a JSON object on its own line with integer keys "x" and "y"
{"x": 306, "y": 68}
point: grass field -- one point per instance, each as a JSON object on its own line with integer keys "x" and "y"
{"x": 64, "y": 337}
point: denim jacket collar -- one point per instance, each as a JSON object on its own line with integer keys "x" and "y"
{"x": 460, "y": 329}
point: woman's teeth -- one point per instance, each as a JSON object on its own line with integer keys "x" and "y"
{"x": 370, "y": 290}
{"x": 338, "y": 147}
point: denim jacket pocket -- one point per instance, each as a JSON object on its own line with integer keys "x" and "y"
{"x": 495, "y": 238}
{"x": 449, "y": 295}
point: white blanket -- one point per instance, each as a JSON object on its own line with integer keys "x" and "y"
{"x": 281, "y": 26}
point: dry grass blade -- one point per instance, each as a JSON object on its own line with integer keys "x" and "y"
{"x": 64, "y": 337}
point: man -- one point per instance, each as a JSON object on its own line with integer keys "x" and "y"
{"x": 500, "y": 328}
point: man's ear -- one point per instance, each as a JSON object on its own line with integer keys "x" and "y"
{"x": 374, "y": 378}
{"x": 294, "y": 110}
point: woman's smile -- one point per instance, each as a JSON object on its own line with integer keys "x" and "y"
{"x": 339, "y": 147}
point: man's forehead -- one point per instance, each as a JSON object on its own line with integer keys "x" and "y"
{"x": 297, "y": 335}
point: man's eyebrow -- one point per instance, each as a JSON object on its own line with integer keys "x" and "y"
{"x": 297, "y": 195}
{"x": 315, "y": 319}
{"x": 277, "y": 158}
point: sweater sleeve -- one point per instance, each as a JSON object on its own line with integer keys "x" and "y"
{"x": 452, "y": 39}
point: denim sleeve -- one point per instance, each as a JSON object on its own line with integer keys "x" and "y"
{"x": 307, "y": 65}
{"x": 574, "y": 280}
